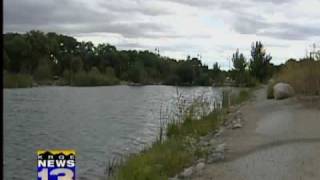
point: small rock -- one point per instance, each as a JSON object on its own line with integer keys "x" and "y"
{"x": 173, "y": 178}
{"x": 212, "y": 142}
{"x": 220, "y": 148}
{"x": 215, "y": 157}
{"x": 186, "y": 173}
{"x": 205, "y": 143}
{"x": 236, "y": 126}
{"x": 200, "y": 166}
{"x": 219, "y": 132}
{"x": 201, "y": 160}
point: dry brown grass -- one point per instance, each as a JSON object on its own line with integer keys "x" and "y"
{"x": 304, "y": 76}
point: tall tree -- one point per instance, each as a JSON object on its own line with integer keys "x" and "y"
{"x": 259, "y": 62}
{"x": 239, "y": 62}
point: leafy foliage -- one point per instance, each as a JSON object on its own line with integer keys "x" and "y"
{"x": 36, "y": 53}
{"x": 260, "y": 66}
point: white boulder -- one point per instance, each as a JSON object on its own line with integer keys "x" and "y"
{"x": 282, "y": 91}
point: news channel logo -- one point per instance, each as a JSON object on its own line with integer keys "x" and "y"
{"x": 56, "y": 164}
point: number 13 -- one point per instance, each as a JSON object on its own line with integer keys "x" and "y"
{"x": 68, "y": 174}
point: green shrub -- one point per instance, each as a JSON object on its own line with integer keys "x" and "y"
{"x": 43, "y": 74}
{"x": 93, "y": 78}
{"x": 230, "y": 98}
{"x": 67, "y": 76}
{"x": 242, "y": 96}
{"x": 17, "y": 80}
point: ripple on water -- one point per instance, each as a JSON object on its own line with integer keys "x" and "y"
{"x": 98, "y": 122}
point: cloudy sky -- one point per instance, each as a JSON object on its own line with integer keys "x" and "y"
{"x": 212, "y": 28}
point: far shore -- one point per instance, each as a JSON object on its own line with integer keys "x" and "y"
{"x": 122, "y": 83}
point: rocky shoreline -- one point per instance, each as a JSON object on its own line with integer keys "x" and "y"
{"x": 213, "y": 144}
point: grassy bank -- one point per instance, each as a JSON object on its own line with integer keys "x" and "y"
{"x": 92, "y": 78}
{"x": 17, "y": 80}
{"x": 175, "y": 148}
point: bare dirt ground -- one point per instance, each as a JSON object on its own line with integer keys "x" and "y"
{"x": 279, "y": 140}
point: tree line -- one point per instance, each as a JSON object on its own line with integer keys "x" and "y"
{"x": 48, "y": 57}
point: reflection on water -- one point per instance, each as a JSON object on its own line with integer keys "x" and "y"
{"x": 98, "y": 122}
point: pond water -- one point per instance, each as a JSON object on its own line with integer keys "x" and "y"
{"x": 98, "y": 122}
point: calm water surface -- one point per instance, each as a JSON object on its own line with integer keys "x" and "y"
{"x": 98, "y": 122}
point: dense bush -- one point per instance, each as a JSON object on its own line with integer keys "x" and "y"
{"x": 43, "y": 73}
{"x": 17, "y": 80}
{"x": 93, "y": 78}
{"x": 65, "y": 56}
{"x": 303, "y": 76}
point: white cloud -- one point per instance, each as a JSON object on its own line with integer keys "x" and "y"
{"x": 214, "y": 29}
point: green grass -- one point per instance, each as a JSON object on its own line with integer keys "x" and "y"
{"x": 242, "y": 96}
{"x": 159, "y": 162}
{"x": 170, "y": 155}
{"x": 17, "y": 80}
{"x": 165, "y": 159}
{"x": 194, "y": 128}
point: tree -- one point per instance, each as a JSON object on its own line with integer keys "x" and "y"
{"x": 136, "y": 73}
{"x": 217, "y": 74}
{"x": 239, "y": 64}
{"x": 46, "y": 56}
{"x": 39, "y": 47}
{"x": 259, "y": 62}
{"x": 186, "y": 73}
{"x": 19, "y": 51}
{"x": 6, "y": 60}
{"x": 76, "y": 64}
{"x": 43, "y": 71}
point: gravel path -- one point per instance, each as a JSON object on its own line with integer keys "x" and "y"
{"x": 279, "y": 140}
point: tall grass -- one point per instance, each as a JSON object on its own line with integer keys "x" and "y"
{"x": 176, "y": 146}
{"x": 303, "y": 76}
{"x": 17, "y": 80}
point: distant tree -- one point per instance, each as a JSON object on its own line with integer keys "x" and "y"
{"x": 6, "y": 60}
{"x": 239, "y": 64}
{"x": 216, "y": 68}
{"x": 259, "y": 62}
{"x": 217, "y": 74}
{"x": 20, "y": 53}
{"x": 317, "y": 55}
{"x": 51, "y": 54}
{"x": 239, "y": 61}
{"x": 39, "y": 47}
{"x": 185, "y": 73}
{"x": 137, "y": 73}
{"x": 76, "y": 64}
{"x": 43, "y": 71}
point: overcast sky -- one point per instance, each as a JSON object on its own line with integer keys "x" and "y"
{"x": 212, "y": 28}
